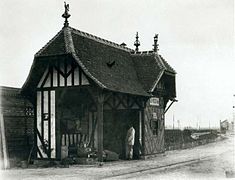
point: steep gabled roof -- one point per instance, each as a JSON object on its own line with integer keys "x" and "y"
{"x": 149, "y": 70}
{"x": 55, "y": 46}
{"x": 130, "y": 73}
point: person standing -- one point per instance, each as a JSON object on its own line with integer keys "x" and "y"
{"x": 130, "y": 140}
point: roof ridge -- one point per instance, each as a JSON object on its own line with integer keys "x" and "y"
{"x": 48, "y": 43}
{"x": 142, "y": 52}
{"x": 101, "y": 40}
{"x": 159, "y": 61}
{"x": 69, "y": 46}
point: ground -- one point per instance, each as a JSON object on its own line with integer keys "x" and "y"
{"x": 207, "y": 161}
{"x": 218, "y": 166}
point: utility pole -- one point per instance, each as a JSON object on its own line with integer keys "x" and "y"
{"x": 232, "y": 123}
{"x": 173, "y": 121}
{"x": 234, "y": 110}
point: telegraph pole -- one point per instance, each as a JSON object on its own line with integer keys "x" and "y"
{"x": 233, "y": 110}
{"x": 233, "y": 114}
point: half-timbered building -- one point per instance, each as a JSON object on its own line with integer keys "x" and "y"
{"x": 87, "y": 90}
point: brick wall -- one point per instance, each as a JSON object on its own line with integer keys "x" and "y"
{"x": 18, "y": 119}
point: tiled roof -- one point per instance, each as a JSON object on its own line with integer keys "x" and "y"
{"x": 133, "y": 73}
{"x": 9, "y": 91}
{"x": 149, "y": 69}
{"x": 55, "y": 46}
{"x": 94, "y": 56}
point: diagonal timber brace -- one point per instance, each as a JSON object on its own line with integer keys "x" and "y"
{"x": 172, "y": 101}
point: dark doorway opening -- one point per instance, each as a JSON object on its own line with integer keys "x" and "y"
{"x": 116, "y": 123}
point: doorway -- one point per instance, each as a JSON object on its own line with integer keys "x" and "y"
{"x": 116, "y": 123}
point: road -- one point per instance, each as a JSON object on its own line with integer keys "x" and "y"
{"x": 219, "y": 164}
{"x": 218, "y": 167}
{"x": 209, "y": 161}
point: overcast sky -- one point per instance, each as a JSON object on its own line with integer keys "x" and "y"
{"x": 196, "y": 37}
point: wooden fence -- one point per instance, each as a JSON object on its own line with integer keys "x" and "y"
{"x": 178, "y": 139}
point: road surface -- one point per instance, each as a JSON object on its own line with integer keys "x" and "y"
{"x": 218, "y": 167}
{"x": 209, "y": 161}
{"x": 218, "y": 164}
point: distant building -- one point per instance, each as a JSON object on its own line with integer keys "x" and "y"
{"x": 18, "y": 115}
{"x": 226, "y": 126}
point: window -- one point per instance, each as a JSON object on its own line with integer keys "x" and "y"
{"x": 156, "y": 119}
{"x": 29, "y": 111}
{"x": 155, "y": 126}
{"x": 157, "y": 113}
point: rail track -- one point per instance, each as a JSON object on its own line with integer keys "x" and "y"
{"x": 155, "y": 168}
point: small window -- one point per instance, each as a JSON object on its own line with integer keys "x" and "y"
{"x": 29, "y": 111}
{"x": 157, "y": 117}
{"x": 154, "y": 126}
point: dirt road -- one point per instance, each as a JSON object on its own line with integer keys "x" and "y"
{"x": 212, "y": 161}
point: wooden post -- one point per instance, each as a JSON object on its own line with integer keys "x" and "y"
{"x": 4, "y": 143}
{"x": 100, "y": 108}
{"x": 143, "y": 131}
{"x": 1, "y": 151}
{"x": 57, "y": 125}
{"x": 34, "y": 131}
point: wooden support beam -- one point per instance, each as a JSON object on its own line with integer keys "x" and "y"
{"x": 143, "y": 131}
{"x": 58, "y": 74}
{"x": 49, "y": 123}
{"x": 65, "y": 72}
{"x": 4, "y": 144}
{"x": 100, "y": 115}
{"x": 174, "y": 100}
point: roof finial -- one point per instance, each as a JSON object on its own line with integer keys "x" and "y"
{"x": 155, "y": 45}
{"x": 66, "y": 14}
{"x": 137, "y": 42}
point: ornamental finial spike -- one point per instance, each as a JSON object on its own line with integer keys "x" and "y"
{"x": 66, "y": 14}
{"x": 155, "y": 45}
{"x": 137, "y": 42}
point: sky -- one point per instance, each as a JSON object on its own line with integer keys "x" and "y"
{"x": 196, "y": 37}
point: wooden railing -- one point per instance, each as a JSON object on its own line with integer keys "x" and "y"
{"x": 69, "y": 139}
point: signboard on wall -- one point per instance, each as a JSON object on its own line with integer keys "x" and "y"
{"x": 154, "y": 115}
{"x": 154, "y": 101}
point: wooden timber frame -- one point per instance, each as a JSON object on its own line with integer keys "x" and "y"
{"x": 108, "y": 100}
{"x": 61, "y": 73}
{"x": 66, "y": 74}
